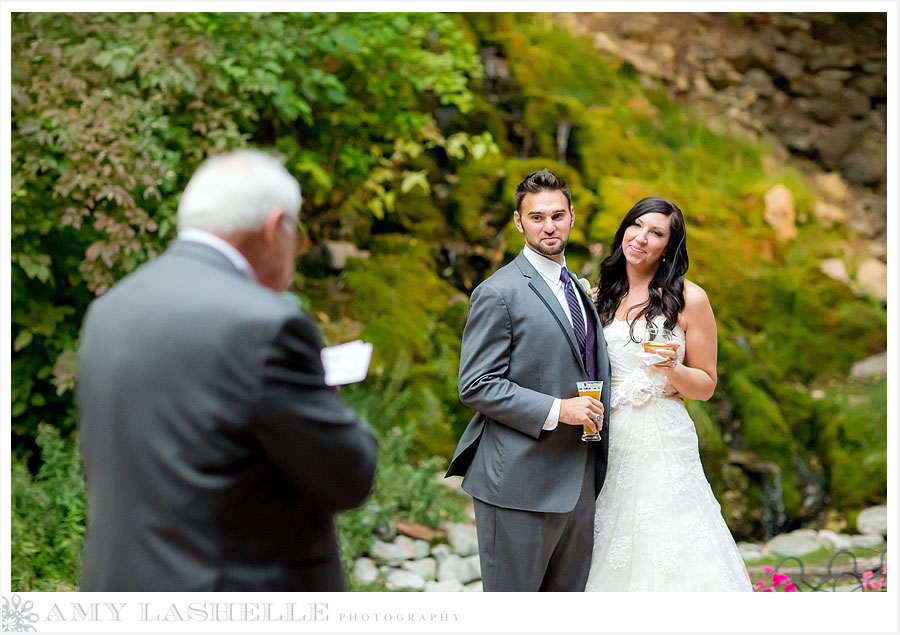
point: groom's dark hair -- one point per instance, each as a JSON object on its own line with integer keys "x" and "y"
{"x": 541, "y": 181}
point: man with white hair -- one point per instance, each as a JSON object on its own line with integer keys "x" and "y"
{"x": 215, "y": 455}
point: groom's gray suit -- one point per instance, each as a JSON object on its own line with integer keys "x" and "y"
{"x": 535, "y": 489}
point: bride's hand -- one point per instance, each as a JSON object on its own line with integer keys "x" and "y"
{"x": 670, "y": 353}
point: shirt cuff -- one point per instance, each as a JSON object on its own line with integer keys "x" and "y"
{"x": 552, "y": 419}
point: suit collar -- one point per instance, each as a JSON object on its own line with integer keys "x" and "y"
{"x": 209, "y": 255}
{"x": 196, "y": 235}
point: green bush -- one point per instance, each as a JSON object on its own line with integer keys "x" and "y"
{"x": 48, "y": 516}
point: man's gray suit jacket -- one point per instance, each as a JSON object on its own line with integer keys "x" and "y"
{"x": 518, "y": 354}
{"x": 215, "y": 456}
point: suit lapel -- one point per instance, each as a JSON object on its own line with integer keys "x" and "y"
{"x": 537, "y": 284}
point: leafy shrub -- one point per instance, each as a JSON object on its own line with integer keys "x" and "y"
{"x": 48, "y": 516}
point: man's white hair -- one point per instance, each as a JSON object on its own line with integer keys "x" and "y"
{"x": 235, "y": 192}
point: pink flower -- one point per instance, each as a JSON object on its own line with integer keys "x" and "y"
{"x": 790, "y": 588}
{"x": 779, "y": 579}
{"x": 768, "y": 569}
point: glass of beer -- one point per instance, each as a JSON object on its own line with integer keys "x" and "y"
{"x": 590, "y": 389}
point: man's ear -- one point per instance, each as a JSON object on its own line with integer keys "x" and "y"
{"x": 270, "y": 227}
{"x": 517, "y": 219}
{"x": 572, "y": 211}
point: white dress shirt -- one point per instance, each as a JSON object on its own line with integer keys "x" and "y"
{"x": 228, "y": 250}
{"x": 550, "y": 271}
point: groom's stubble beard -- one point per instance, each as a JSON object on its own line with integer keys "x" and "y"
{"x": 548, "y": 251}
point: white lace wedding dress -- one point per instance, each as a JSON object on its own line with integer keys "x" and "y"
{"x": 658, "y": 526}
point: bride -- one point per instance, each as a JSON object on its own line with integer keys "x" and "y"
{"x": 658, "y": 526}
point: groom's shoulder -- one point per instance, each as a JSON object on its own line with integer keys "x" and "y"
{"x": 505, "y": 277}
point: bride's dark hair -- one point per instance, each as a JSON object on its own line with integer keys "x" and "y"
{"x": 666, "y": 288}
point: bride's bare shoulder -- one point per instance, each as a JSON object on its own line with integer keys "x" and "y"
{"x": 696, "y": 304}
{"x": 694, "y": 294}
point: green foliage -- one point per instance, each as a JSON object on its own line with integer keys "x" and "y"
{"x": 853, "y": 442}
{"x": 400, "y": 298}
{"x": 406, "y": 488}
{"x": 112, "y": 112}
{"x": 48, "y": 515}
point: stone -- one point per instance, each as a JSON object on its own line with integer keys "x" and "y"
{"x": 647, "y": 59}
{"x": 795, "y": 543}
{"x": 800, "y": 44}
{"x": 760, "y": 82}
{"x": 447, "y": 586}
{"x": 863, "y": 168}
{"x": 453, "y": 483}
{"x": 872, "y": 278}
{"x": 780, "y": 212}
{"x": 797, "y": 132}
{"x": 463, "y": 570}
{"x": 339, "y": 251}
{"x": 390, "y": 553}
{"x": 421, "y": 549}
{"x": 406, "y": 545}
{"x": 821, "y": 109}
{"x": 476, "y": 587}
{"x": 441, "y": 552}
{"x": 788, "y": 23}
{"x": 785, "y": 65}
{"x": 872, "y": 520}
{"x": 868, "y": 216}
{"x": 835, "y": 269}
{"x": 835, "y": 541}
{"x": 750, "y": 551}
{"x": 426, "y": 567}
{"x": 853, "y": 103}
{"x": 365, "y": 571}
{"x": 463, "y": 538}
{"x": 874, "y": 86}
{"x": 639, "y": 26}
{"x": 829, "y": 215}
{"x": 739, "y": 54}
{"x": 404, "y": 581}
{"x": 834, "y": 56}
{"x": 721, "y": 73}
{"x": 869, "y": 367}
{"x": 415, "y": 531}
{"x": 832, "y": 186}
{"x": 838, "y": 141}
{"x": 867, "y": 541}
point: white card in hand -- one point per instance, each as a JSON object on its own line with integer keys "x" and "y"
{"x": 346, "y": 363}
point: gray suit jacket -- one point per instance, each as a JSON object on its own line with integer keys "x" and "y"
{"x": 518, "y": 354}
{"x": 215, "y": 456}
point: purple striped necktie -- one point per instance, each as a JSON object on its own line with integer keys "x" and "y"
{"x": 574, "y": 310}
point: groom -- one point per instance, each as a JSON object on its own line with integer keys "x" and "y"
{"x": 531, "y": 335}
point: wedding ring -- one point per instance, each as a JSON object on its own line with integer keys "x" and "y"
{"x": 672, "y": 363}
{"x": 598, "y": 418}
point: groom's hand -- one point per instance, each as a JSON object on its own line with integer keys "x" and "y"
{"x": 580, "y": 411}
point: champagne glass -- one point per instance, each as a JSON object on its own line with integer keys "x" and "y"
{"x": 656, "y": 338}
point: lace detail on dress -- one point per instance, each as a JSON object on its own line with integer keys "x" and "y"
{"x": 657, "y": 526}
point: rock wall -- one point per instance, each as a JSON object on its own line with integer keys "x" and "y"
{"x": 814, "y": 85}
